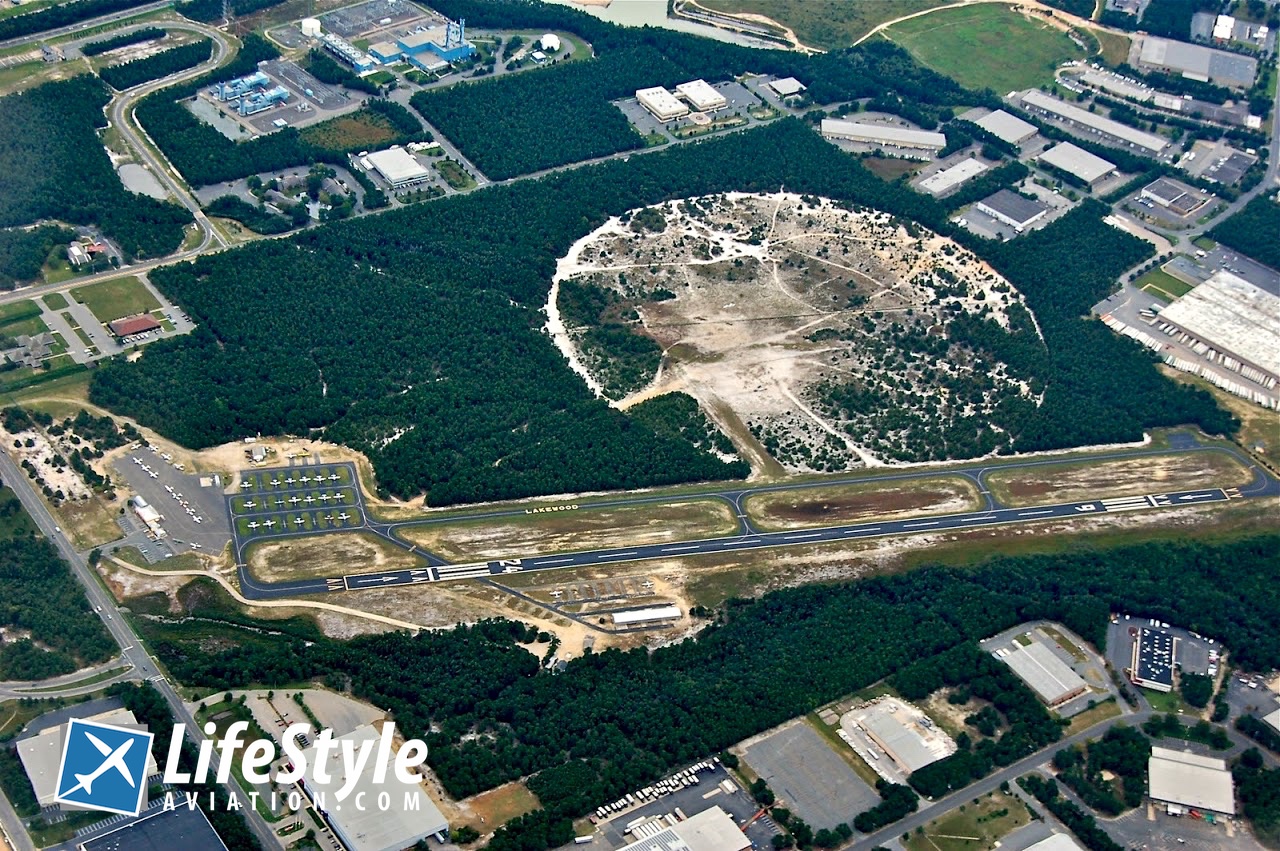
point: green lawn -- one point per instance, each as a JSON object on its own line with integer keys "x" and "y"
{"x": 55, "y": 301}
{"x": 1162, "y": 285}
{"x": 987, "y": 46}
{"x": 1165, "y": 701}
{"x": 826, "y": 24}
{"x": 116, "y": 298}
{"x": 979, "y": 823}
{"x": 16, "y": 310}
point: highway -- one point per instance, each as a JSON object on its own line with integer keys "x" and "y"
{"x": 92, "y": 23}
{"x": 132, "y": 650}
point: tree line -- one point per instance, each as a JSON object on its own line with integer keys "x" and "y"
{"x": 126, "y": 75}
{"x": 56, "y": 168}
{"x": 94, "y": 48}
{"x": 23, "y": 252}
{"x": 61, "y": 15}
{"x": 1252, "y": 231}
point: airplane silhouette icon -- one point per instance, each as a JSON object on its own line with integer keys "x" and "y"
{"x": 114, "y": 760}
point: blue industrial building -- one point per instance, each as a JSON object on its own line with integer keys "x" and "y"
{"x": 348, "y": 52}
{"x": 239, "y": 87}
{"x": 430, "y": 47}
{"x": 257, "y": 101}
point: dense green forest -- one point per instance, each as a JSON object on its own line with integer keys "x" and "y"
{"x": 61, "y": 15}
{"x": 126, "y": 75}
{"x": 326, "y": 69}
{"x": 615, "y": 720}
{"x": 436, "y": 368}
{"x": 678, "y": 415}
{"x": 1254, "y": 230}
{"x": 96, "y": 48}
{"x": 40, "y": 596}
{"x": 23, "y": 252}
{"x": 56, "y": 168}
{"x": 1258, "y": 789}
{"x": 257, "y": 219}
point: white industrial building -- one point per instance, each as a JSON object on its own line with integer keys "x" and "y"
{"x": 1012, "y": 209}
{"x": 41, "y": 754}
{"x": 358, "y": 820}
{"x": 882, "y": 134}
{"x": 1076, "y": 161}
{"x": 786, "y": 87}
{"x": 1237, "y": 322}
{"x": 635, "y": 616}
{"x": 1179, "y": 779}
{"x": 701, "y": 96}
{"x": 663, "y": 105}
{"x": 1057, "y": 842}
{"x": 1048, "y": 676}
{"x": 905, "y": 734}
{"x": 950, "y": 178}
{"x": 397, "y": 166}
{"x": 1006, "y": 127}
{"x": 1147, "y": 143}
{"x": 710, "y": 830}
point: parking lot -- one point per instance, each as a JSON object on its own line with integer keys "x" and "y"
{"x": 167, "y": 488}
{"x": 1065, "y": 646}
{"x": 740, "y": 102}
{"x": 690, "y": 800}
{"x": 810, "y": 778}
{"x": 1191, "y": 653}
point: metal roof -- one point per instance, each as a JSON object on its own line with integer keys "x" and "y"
{"x": 1044, "y": 672}
{"x": 1076, "y": 160}
{"x": 949, "y": 177}
{"x": 644, "y": 615}
{"x": 1199, "y": 62}
{"x": 1232, "y": 315}
{"x": 1085, "y": 118}
{"x": 1057, "y": 842}
{"x": 882, "y": 133}
{"x": 1010, "y": 128}
{"x": 397, "y": 165}
{"x": 1013, "y": 206}
{"x": 1202, "y": 782}
{"x": 710, "y": 830}
{"x": 1155, "y": 657}
{"x": 787, "y": 86}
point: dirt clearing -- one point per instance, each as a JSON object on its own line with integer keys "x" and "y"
{"x": 577, "y": 529}
{"x": 327, "y": 555}
{"x": 1131, "y": 476}
{"x": 830, "y": 506}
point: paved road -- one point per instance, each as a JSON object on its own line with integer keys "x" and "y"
{"x": 132, "y": 653}
{"x": 749, "y": 539}
{"x": 84, "y": 25}
{"x": 66, "y": 686}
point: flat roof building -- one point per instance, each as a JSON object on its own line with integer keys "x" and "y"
{"x": 1057, "y": 842}
{"x": 1196, "y": 62}
{"x": 949, "y": 178}
{"x": 710, "y": 830}
{"x": 786, "y": 87}
{"x": 1076, "y": 161}
{"x": 1234, "y": 318}
{"x": 131, "y": 325}
{"x": 656, "y": 613}
{"x": 701, "y": 96}
{"x": 385, "y": 51}
{"x": 398, "y": 167}
{"x": 1174, "y": 196}
{"x": 1048, "y": 676}
{"x": 1006, "y": 127}
{"x": 1187, "y": 780}
{"x": 165, "y": 830}
{"x": 883, "y": 134}
{"x": 40, "y": 754}
{"x": 905, "y": 734}
{"x": 1012, "y": 209}
{"x": 371, "y": 828}
{"x": 1141, "y": 141}
{"x": 1151, "y": 663}
{"x": 663, "y": 105}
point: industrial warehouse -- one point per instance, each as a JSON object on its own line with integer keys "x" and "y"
{"x": 1077, "y": 162}
{"x": 1181, "y": 781}
{"x": 1113, "y": 131}
{"x": 1231, "y": 321}
{"x": 949, "y": 178}
{"x": 899, "y": 731}
{"x": 1197, "y": 62}
{"x": 1151, "y": 663}
{"x": 882, "y": 134}
{"x": 710, "y": 830}
{"x": 1006, "y": 127}
{"x": 41, "y": 753}
{"x": 397, "y": 167}
{"x": 1012, "y": 209}
{"x": 1038, "y": 666}
{"x": 1174, "y": 196}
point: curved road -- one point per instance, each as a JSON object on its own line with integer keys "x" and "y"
{"x": 92, "y": 23}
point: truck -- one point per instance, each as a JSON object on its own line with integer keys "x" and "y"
{"x": 581, "y": 840}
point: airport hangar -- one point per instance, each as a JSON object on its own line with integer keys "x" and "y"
{"x": 1006, "y": 127}
{"x": 883, "y": 134}
{"x": 1012, "y": 209}
{"x": 1178, "y": 780}
{"x": 1047, "y": 675}
{"x": 1146, "y": 143}
{"x": 1078, "y": 162}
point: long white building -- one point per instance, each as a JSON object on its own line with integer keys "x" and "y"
{"x": 1145, "y": 142}
{"x": 663, "y": 105}
{"x": 882, "y": 134}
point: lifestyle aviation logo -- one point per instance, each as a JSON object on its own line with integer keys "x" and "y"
{"x": 103, "y": 767}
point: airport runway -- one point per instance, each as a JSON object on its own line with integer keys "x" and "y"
{"x": 748, "y": 541}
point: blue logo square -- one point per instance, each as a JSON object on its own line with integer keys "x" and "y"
{"x": 103, "y": 767}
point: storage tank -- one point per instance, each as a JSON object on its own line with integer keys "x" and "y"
{"x": 311, "y": 27}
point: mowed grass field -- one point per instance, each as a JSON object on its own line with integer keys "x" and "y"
{"x": 987, "y": 46}
{"x": 116, "y": 298}
{"x": 826, "y": 24}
